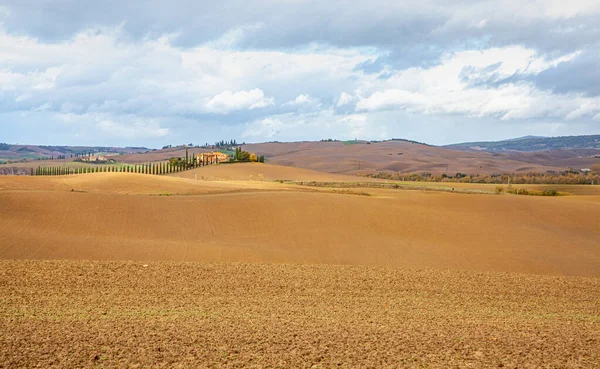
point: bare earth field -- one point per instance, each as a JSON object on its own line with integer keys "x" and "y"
{"x": 130, "y": 314}
{"x": 216, "y": 270}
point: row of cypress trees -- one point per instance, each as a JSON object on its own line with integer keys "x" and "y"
{"x": 173, "y": 166}
{"x": 151, "y": 168}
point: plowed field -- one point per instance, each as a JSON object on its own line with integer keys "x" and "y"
{"x": 125, "y": 270}
{"x": 120, "y": 314}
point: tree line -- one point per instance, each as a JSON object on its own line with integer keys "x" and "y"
{"x": 151, "y": 168}
{"x": 174, "y": 165}
{"x": 241, "y": 155}
{"x": 570, "y": 176}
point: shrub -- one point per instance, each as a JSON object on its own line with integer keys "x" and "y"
{"x": 499, "y": 189}
{"x": 550, "y": 192}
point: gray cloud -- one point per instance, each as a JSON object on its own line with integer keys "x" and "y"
{"x": 184, "y": 66}
{"x": 579, "y": 75}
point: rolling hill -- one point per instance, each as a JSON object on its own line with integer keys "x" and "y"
{"x": 365, "y": 157}
{"x": 533, "y": 143}
{"x": 408, "y": 157}
{"x": 10, "y": 152}
{"x": 123, "y": 216}
{"x": 217, "y": 270}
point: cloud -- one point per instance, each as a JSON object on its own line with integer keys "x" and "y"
{"x": 296, "y": 69}
{"x": 267, "y": 127}
{"x": 471, "y": 83}
{"x": 228, "y": 101}
{"x": 345, "y": 99}
{"x": 303, "y": 102}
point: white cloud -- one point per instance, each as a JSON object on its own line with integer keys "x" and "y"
{"x": 107, "y": 83}
{"x": 303, "y": 102}
{"x": 267, "y": 127}
{"x": 345, "y": 99}
{"x": 471, "y": 83}
{"x": 228, "y": 101}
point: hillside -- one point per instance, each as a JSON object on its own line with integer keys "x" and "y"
{"x": 407, "y": 157}
{"x": 365, "y": 157}
{"x": 121, "y": 216}
{"x": 260, "y": 171}
{"x": 532, "y": 143}
{"x": 14, "y": 153}
{"x": 134, "y": 270}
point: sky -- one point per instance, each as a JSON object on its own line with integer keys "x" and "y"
{"x": 152, "y": 73}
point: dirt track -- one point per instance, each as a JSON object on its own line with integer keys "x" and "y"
{"x": 72, "y": 314}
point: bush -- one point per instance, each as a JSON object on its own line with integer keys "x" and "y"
{"x": 499, "y": 189}
{"x": 550, "y": 192}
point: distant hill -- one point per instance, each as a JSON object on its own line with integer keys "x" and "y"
{"x": 348, "y": 157}
{"x": 18, "y": 153}
{"x": 532, "y": 143}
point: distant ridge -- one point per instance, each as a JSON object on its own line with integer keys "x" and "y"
{"x": 532, "y": 143}
{"x": 522, "y": 138}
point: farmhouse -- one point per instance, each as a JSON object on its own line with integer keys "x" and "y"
{"x": 95, "y": 159}
{"x": 212, "y": 157}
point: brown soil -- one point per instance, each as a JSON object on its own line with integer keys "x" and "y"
{"x": 120, "y": 314}
{"x": 272, "y": 222}
{"x": 268, "y": 172}
{"x": 230, "y": 273}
